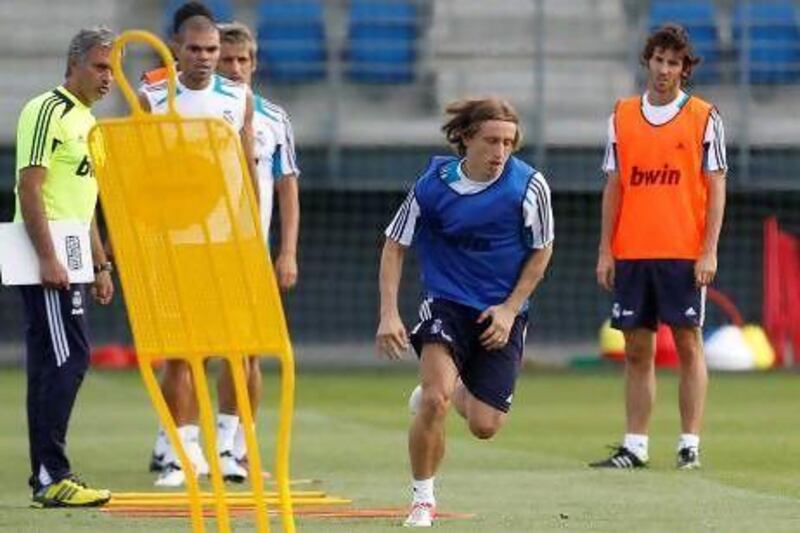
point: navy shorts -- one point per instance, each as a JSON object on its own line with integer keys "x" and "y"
{"x": 649, "y": 291}
{"x": 489, "y": 375}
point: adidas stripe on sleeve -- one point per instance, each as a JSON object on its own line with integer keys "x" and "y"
{"x": 538, "y": 213}
{"x": 714, "y": 156}
{"x": 610, "y": 157}
{"x": 404, "y": 223}
{"x": 36, "y": 131}
{"x": 287, "y": 154}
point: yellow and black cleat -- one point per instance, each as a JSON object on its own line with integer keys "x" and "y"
{"x": 71, "y": 492}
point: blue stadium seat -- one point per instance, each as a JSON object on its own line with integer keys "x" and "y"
{"x": 221, "y": 9}
{"x": 774, "y": 40}
{"x": 291, "y": 41}
{"x": 698, "y": 17}
{"x": 382, "y": 37}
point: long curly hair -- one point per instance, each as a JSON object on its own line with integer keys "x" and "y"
{"x": 465, "y": 118}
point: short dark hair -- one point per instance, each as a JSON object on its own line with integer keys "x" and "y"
{"x": 187, "y": 11}
{"x": 672, "y": 37}
{"x": 466, "y": 117}
{"x": 198, "y": 24}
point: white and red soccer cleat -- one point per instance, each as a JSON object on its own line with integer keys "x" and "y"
{"x": 421, "y": 515}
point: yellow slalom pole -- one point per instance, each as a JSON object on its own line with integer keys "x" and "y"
{"x": 284, "y": 437}
{"x": 122, "y": 80}
{"x": 197, "y": 174}
{"x": 236, "y": 363}
{"x": 231, "y": 495}
{"x": 157, "y": 399}
{"x": 238, "y": 503}
{"x": 145, "y": 359}
{"x": 209, "y": 439}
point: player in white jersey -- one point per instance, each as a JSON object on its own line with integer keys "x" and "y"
{"x": 277, "y": 171}
{"x": 201, "y": 93}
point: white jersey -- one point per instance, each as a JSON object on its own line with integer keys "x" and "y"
{"x": 222, "y": 98}
{"x": 273, "y": 150}
{"x": 714, "y": 157}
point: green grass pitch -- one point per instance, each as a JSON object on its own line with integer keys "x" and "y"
{"x": 350, "y": 431}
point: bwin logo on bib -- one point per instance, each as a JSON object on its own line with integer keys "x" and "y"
{"x": 657, "y": 176}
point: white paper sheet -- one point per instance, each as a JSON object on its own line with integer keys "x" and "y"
{"x": 19, "y": 264}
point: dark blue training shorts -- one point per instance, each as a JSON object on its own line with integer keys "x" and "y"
{"x": 649, "y": 291}
{"x": 490, "y": 376}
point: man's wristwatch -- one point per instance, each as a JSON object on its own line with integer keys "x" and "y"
{"x": 108, "y": 266}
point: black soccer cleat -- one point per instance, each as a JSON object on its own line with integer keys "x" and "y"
{"x": 621, "y": 458}
{"x": 232, "y": 470}
{"x": 688, "y": 458}
{"x": 157, "y": 463}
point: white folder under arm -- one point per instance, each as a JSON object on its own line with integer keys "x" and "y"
{"x": 19, "y": 264}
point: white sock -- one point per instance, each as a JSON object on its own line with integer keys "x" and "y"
{"x": 689, "y": 440}
{"x": 162, "y": 442}
{"x": 226, "y": 432}
{"x": 192, "y": 433}
{"x": 185, "y": 433}
{"x": 239, "y": 443}
{"x": 636, "y": 444}
{"x": 422, "y": 490}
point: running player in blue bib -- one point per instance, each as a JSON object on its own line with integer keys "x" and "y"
{"x": 482, "y": 226}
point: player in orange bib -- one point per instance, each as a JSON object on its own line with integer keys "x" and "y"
{"x": 663, "y": 205}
